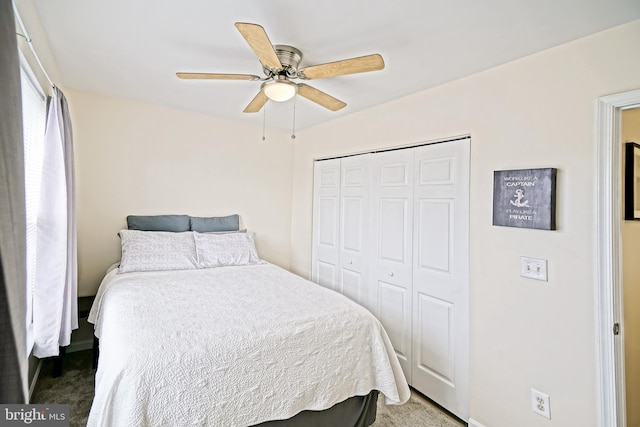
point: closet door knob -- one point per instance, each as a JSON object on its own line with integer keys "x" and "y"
{"x": 391, "y": 274}
{"x": 350, "y": 261}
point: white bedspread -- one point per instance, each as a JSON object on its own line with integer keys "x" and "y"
{"x": 232, "y": 346}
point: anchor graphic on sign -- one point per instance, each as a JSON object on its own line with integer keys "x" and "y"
{"x": 518, "y": 202}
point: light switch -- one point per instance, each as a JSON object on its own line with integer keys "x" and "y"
{"x": 533, "y": 268}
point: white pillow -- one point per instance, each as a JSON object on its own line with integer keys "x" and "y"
{"x": 218, "y": 250}
{"x": 157, "y": 250}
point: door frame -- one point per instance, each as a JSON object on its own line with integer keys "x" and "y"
{"x": 608, "y": 250}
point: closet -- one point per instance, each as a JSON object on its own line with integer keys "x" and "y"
{"x": 391, "y": 232}
{"x": 341, "y": 226}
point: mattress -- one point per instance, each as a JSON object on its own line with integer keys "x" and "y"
{"x": 232, "y": 346}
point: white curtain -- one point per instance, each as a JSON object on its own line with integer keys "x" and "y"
{"x": 55, "y": 311}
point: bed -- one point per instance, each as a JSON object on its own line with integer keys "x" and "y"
{"x": 218, "y": 337}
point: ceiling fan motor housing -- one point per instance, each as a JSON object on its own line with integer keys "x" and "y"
{"x": 289, "y": 57}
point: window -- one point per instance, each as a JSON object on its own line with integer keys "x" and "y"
{"x": 34, "y": 110}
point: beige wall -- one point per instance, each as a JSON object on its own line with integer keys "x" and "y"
{"x": 136, "y": 158}
{"x": 631, "y": 286}
{"x": 535, "y": 112}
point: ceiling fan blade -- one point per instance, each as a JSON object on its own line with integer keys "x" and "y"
{"x": 216, "y": 76}
{"x": 256, "y": 103}
{"x": 257, "y": 38}
{"x": 319, "y": 97}
{"x": 340, "y": 68}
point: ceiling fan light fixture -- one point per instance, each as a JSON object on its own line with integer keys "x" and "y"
{"x": 280, "y": 90}
{"x": 280, "y": 63}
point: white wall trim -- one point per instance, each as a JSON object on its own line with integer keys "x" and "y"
{"x": 608, "y": 287}
{"x": 394, "y": 147}
{"x": 32, "y": 387}
{"x": 474, "y": 423}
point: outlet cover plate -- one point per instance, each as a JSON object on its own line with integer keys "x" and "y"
{"x": 533, "y": 268}
{"x": 540, "y": 403}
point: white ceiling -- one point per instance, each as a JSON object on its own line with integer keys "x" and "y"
{"x": 133, "y": 49}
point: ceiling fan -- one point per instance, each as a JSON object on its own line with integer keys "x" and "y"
{"x": 280, "y": 65}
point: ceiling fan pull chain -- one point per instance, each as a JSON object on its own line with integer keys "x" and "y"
{"x": 264, "y": 121}
{"x": 293, "y": 132}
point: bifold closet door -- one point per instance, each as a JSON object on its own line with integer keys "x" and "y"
{"x": 391, "y": 262}
{"x": 354, "y": 227}
{"x": 441, "y": 274}
{"x": 326, "y": 224}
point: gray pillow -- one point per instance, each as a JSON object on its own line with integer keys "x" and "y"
{"x": 215, "y": 223}
{"x": 174, "y": 223}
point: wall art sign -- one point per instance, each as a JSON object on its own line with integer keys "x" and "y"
{"x": 632, "y": 181}
{"x": 525, "y": 198}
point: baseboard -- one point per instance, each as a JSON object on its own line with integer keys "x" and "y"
{"x": 79, "y": 346}
{"x": 474, "y": 423}
{"x": 35, "y": 379}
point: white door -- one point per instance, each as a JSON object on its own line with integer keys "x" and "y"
{"x": 441, "y": 275}
{"x": 354, "y": 227}
{"x": 391, "y": 271}
{"x": 326, "y": 210}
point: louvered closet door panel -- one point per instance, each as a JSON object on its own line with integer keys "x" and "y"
{"x": 325, "y": 269}
{"x": 391, "y": 261}
{"x": 441, "y": 274}
{"x": 354, "y": 227}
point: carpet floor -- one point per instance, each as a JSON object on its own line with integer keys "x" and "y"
{"x": 75, "y": 387}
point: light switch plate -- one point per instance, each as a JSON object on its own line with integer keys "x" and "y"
{"x": 533, "y": 268}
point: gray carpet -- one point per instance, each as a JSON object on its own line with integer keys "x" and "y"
{"x": 75, "y": 387}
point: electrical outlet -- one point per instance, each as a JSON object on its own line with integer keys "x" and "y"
{"x": 540, "y": 403}
{"x": 533, "y": 268}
